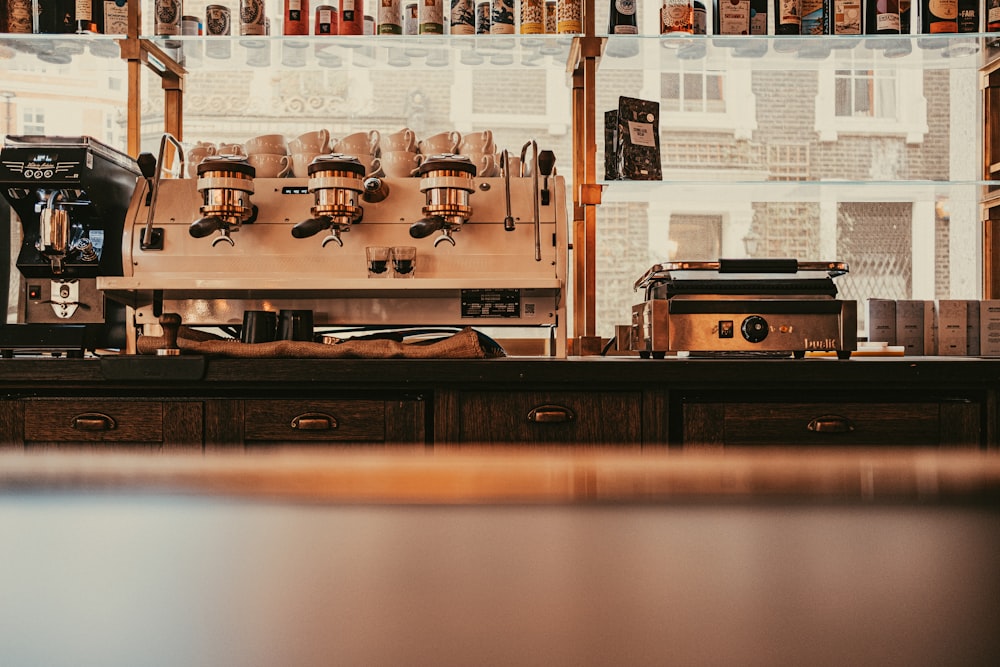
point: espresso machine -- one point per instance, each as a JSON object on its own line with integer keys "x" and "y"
{"x": 68, "y": 198}
{"x": 490, "y": 251}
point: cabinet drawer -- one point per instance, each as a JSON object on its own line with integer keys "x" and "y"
{"x": 94, "y": 420}
{"x": 570, "y": 418}
{"x": 315, "y": 421}
{"x": 950, "y": 423}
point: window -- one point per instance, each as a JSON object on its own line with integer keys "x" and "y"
{"x": 692, "y": 92}
{"x": 33, "y": 121}
{"x": 866, "y": 93}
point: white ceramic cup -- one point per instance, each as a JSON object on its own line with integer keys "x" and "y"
{"x": 230, "y": 149}
{"x": 487, "y": 164}
{"x": 442, "y": 142}
{"x": 300, "y": 163}
{"x": 478, "y": 142}
{"x": 373, "y": 165}
{"x": 317, "y": 141}
{"x": 404, "y": 140}
{"x": 400, "y": 164}
{"x": 269, "y": 144}
{"x": 195, "y": 156}
{"x": 359, "y": 143}
{"x": 270, "y": 165}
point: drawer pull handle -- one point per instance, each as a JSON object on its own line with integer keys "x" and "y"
{"x": 314, "y": 421}
{"x": 93, "y": 421}
{"x": 550, "y": 414}
{"x": 831, "y": 424}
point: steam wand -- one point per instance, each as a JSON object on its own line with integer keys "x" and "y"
{"x": 534, "y": 188}
{"x": 147, "y": 242}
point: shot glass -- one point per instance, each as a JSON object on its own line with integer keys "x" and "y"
{"x": 378, "y": 261}
{"x": 404, "y": 261}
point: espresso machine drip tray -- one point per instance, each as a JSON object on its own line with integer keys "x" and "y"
{"x": 741, "y": 307}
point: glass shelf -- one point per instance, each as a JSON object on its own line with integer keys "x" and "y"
{"x": 784, "y": 52}
{"x": 380, "y": 51}
{"x": 795, "y": 191}
{"x": 58, "y": 49}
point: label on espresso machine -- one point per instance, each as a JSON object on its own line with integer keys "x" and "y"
{"x": 491, "y": 303}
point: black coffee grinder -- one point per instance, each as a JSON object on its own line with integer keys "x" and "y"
{"x": 68, "y": 198}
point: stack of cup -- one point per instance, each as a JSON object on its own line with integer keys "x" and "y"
{"x": 196, "y": 154}
{"x": 365, "y": 147}
{"x": 440, "y": 143}
{"x": 399, "y": 154}
{"x": 268, "y": 154}
{"x": 304, "y": 149}
{"x": 481, "y": 151}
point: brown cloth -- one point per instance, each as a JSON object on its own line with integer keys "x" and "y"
{"x": 464, "y": 344}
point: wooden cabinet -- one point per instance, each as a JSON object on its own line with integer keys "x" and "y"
{"x": 945, "y": 423}
{"x": 610, "y": 404}
{"x": 587, "y": 419}
{"x": 339, "y": 422}
{"x": 103, "y": 423}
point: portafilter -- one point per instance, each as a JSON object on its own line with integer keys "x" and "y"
{"x": 226, "y": 183}
{"x": 447, "y": 180}
{"x": 336, "y": 181}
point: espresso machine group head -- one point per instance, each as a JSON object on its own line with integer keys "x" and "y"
{"x": 70, "y": 196}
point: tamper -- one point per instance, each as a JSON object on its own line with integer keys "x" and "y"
{"x": 171, "y": 323}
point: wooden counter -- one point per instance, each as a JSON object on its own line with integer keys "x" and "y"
{"x": 791, "y": 557}
{"x": 163, "y": 404}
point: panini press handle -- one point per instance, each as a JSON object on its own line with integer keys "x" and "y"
{"x": 763, "y": 265}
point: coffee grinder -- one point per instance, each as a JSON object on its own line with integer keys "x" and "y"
{"x": 68, "y": 198}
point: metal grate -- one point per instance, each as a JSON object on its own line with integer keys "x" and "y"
{"x": 875, "y": 241}
{"x": 787, "y": 229}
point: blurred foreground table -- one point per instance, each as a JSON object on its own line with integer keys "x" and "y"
{"x": 500, "y": 558}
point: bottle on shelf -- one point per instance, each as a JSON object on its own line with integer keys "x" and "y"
{"x": 968, "y": 16}
{"x": 992, "y": 15}
{"x": 296, "y": 17}
{"x": 814, "y": 20}
{"x": 430, "y": 17}
{"x": 352, "y": 17}
{"x": 167, "y": 18}
{"x": 389, "y": 18}
{"x": 700, "y": 21}
{"x": 54, "y": 17}
{"x": 252, "y": 20}
{"x": 483, "y": 17}
{"x": 502, "y": 17}
{"x": 532, "y": 17}
{"x": 846, "y": 17}
{"x": 758, "y": 17}
{"x": 622, "y": 18}
{"x": 85, "y": 17}
{"x": 938, "y": 16}
{"x": 326, "y": 20}
{"x": 882, "y": 18}
{"x": 19, "y": 16}
{"x": 677, "y": 17}
{"x": 114, "y": 17}
{"x": 463, "y": 17}
{"x": 731, "y": 17}
{"x": 569, "y": 17}
{"x": 787, "y": 17}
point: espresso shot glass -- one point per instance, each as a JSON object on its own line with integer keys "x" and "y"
{"x": 404, "y": 261}
{"x": 378, "y": 261}
{"x": 259, "y": 326}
